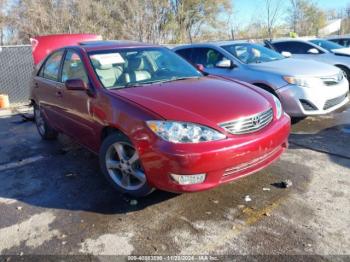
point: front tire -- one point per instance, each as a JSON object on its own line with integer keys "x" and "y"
{"x": 346, "y": 72}
{"x": 297, "y": 119}
{"x": 44, "y": 129}
{"x": 121, "y": 165}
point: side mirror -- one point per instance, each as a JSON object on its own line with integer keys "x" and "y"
{"x": 286, "y": 54}
{"x": 76, "y": 84}
{"x": 200, "y": 67}
{"x": 313, "y": 51}
{"x": 225, "y": 63}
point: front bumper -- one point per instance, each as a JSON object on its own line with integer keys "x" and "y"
{"x": 303, "y": 101}
{"x": 221, "y": 161}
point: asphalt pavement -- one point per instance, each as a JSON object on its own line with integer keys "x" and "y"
{"x": 54, "y": 201}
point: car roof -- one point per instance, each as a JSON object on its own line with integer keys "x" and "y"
{"x": 212, "y": 43}
{"x": 228, "y": 42}
{"x": 338, "y": 36}
{"x": 290, "y": 40}
{"x": 319, "y": 39}
{"x": 111, "y": 44}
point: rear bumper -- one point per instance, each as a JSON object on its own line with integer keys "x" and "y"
{"x": 302, "y": 101}
{"x": 221, "y": 161}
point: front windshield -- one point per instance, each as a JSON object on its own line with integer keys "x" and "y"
{"x": 140, "y": 66}
{"x": 328, "y": 45}
{"x": 252, "y": 53}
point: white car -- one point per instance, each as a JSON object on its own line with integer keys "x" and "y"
{"x": 315, "y": 49}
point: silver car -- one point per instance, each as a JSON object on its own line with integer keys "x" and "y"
{"x": 316, "y": 49}
{"x": 304, "y": 87}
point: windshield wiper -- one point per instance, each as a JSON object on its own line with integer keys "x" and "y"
{"x": 128, "y": 85}
{"x": 179, "y": 79}
{"x": 131, "y": 85}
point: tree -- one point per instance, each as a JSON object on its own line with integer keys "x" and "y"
{"x": 144, "y": 20}
{"x": 2, "y": 21}
{"x": 190, "y": 16}
{"x": 273, "y": 11}
{"x": 155, "y": 21}
{"x": 344, "y": 14}
{"x": 305, "y": 18}
{"x": 37, "y": 17}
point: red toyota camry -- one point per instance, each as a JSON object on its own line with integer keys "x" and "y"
{"x": 153, "y": 119}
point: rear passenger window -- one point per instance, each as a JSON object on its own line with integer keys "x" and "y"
{"x": 185, "y": 53}
{"x": 51, "y": 67}
{"x": 73, "y": 68}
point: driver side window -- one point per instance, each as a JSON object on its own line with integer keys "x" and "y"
{"x": 73, "y": 67}
{"x": 207, "y": 57}
{"x": 293, "y": 47}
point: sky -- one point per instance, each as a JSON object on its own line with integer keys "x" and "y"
{"x": 245, "y": 10}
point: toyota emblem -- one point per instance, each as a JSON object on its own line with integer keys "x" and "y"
{"x": 256, "y": 120}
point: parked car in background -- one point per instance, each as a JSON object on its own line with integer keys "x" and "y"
{"x": 47, "y": 44}
{"x": 331, "y": 46}
{"x": 343, "y": 40}
{"x": 302, "y": 86}
{"x": 153, "y": 119}
{"x": 316, "y": 49}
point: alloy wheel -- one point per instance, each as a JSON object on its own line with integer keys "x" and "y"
{"x": 124, "y": 167}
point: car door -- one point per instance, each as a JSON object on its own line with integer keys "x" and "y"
{"x": 75, "y": 105}
{"x": 46, "y": 85}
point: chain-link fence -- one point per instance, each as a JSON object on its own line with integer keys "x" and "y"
{"x": 16, "y": 68}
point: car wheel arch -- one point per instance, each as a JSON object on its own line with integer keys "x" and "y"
{"x": 267, "y": 88}
{"x": 341, "y": 66}
{"x": 108, "y": 130}
{"x": 344, "y": 68}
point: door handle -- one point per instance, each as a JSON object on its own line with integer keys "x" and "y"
{"x": 59, "y": 94}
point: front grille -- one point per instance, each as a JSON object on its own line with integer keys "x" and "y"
{"x": 335, "y": 101}
{"x": 307, "y": 105}
{"x": 252, "y": 163}
{"x": 249, "y": 124}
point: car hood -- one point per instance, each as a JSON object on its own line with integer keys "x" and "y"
{"x": 296, "y": 67}
{"x": 206, "y": 100}
{"x": 342, "y": 51}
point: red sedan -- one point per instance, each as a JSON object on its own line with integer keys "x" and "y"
{"x": 153, "y": 119}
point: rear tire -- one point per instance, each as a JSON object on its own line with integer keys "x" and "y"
{"x": 45, "y": 131}
{"x": 121, "y": 165}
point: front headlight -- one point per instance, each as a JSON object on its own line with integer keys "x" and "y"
{"x": 303, "y": 81}
{"x": 279, "y": 109}
{"x": 180, "y": 132}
